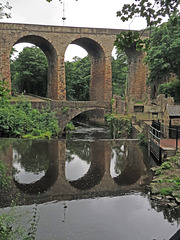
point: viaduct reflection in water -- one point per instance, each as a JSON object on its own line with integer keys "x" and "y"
{"x": 53, "y": 183}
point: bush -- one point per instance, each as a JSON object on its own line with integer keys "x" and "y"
{"x": 4, "y": 180}
{"x": 70, "y": 126}
{"x": 143, "y": 141}
{"x": 20, "y": 120}
{"x": 119, "y": 127}
{"x": 166, "y": 191}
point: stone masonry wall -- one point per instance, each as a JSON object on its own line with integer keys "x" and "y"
{"x": 54, "y": 40}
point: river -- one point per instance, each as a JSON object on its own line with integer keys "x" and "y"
{"x": 84, "y": 187}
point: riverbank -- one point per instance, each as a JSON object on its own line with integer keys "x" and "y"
{"x": 165, "y": 186}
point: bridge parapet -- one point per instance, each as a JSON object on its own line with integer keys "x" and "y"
{"x": 67, "y": 110}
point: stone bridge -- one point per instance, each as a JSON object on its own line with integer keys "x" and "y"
{"x": 54, "y": 40}
{"x": 67, "y": 110}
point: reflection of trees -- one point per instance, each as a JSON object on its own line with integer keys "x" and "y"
{"x": 5, "y": 143}
{"x": 79, "y": 148}
{"x": 120, "y": 153}
{"x": 33, "y": 157}
{"x": 171, "y": 214}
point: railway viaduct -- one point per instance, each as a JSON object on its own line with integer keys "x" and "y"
{"x": 54, "y": 40}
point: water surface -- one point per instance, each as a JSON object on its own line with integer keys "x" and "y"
{"x": 85, "y": 189}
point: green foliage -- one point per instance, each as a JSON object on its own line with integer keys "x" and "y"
{"x": 129, "y": 40}
{"x": 165, "y": 166}
{"x": 78, "y": 74}
{"x": 4, "y": 10}
{"x": 166, "y": 191}
{"x": 172, "y": 89}
{"x": 143, "y": 140}
{"x": 64, "y": 109}
{"x": 119, "y": 127}
{"x": 4, "y": 179}
{"x": 119, "y": 73}
{"x": 80, "y": 148}
{"x": 20, "y": 120}
{"x": 70, "y": 126}
{"x": 162, "y": 57}
{"x": 10, "y": 225}
{"x": 152, "y": 11}
{"x": 4, "y": 91}
{"x": 29, "y": 72}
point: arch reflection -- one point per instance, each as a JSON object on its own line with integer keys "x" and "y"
{"x": 129, "y": 163}
{"x": 96, "y": 168}
{"x": 35, "y": 158}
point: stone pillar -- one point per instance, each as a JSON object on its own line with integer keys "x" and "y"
{"x": 101, "y": 80}
{"x": 137, "y": 75}
{"x": 5, "y": 74}
{"x": 97, "y": 80}
{"x": 108, "y": 80}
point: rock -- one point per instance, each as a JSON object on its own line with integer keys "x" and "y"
{"x": 158, "y": 179}
{"x": 176, "y": 193}
{"x": 153, "y": 169}
{"x": 155, "y": 188}
{"x": 170, "y": 198}
{"x": 157, "y": 198}
{"x": 177, "y": 200}
{"x": 172, "y": 204}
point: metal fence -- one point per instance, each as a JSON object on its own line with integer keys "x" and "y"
{"x": 157, "y": 133}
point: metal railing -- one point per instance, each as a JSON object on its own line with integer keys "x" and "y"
{"x": 155, "y": 149}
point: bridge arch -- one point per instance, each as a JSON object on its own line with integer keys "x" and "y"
{"x": 52, "y": 57}
{"x": 100, "y": 84}
{"x": 71, "y": 113}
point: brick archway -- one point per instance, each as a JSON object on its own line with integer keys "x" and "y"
{"x": 97, "y": 55}
{"x": 51, "y": 54}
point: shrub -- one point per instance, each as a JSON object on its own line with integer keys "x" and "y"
{"x": 166, "y": 191}
{"x": 143, "y": 141}
{"x": 119, "y": 126}
{"x": 20, "y": 120}
{"x": 4, "y": 180}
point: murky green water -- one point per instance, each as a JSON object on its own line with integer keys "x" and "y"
{"x": 85, "y": 189}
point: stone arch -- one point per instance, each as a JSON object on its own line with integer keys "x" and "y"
{"x": 96, "y": 170}
{"x": 72, "y": 113}
{"x": 99, "y": 82}
{"x": 52, "y": 57}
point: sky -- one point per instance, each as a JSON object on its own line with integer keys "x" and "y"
{"x": 81, "y": 13}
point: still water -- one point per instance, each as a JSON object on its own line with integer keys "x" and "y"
{"x": 85, "y": 189}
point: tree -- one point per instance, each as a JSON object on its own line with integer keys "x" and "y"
{"x": 78, "y": 74}
{"x": 162, "y": 57}
{"x": 119, "y": 73}
{"x": 171, "y": 88}
{"x": 4, "y": 10}
{"x": 29, "y": 72}
{"x": 153, "y": 11}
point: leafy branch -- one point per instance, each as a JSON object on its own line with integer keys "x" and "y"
{"x": 4, "y": 10}
{"x": 131, "y": 40}
{"x": 152, "y": 11}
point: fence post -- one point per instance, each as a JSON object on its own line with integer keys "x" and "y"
{"x": 177, "y": 137}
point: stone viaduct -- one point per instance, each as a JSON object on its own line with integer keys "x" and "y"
{"x": 54, "y": 40}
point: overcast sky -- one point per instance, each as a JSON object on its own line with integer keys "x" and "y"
{"x": 81, "y": 13}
